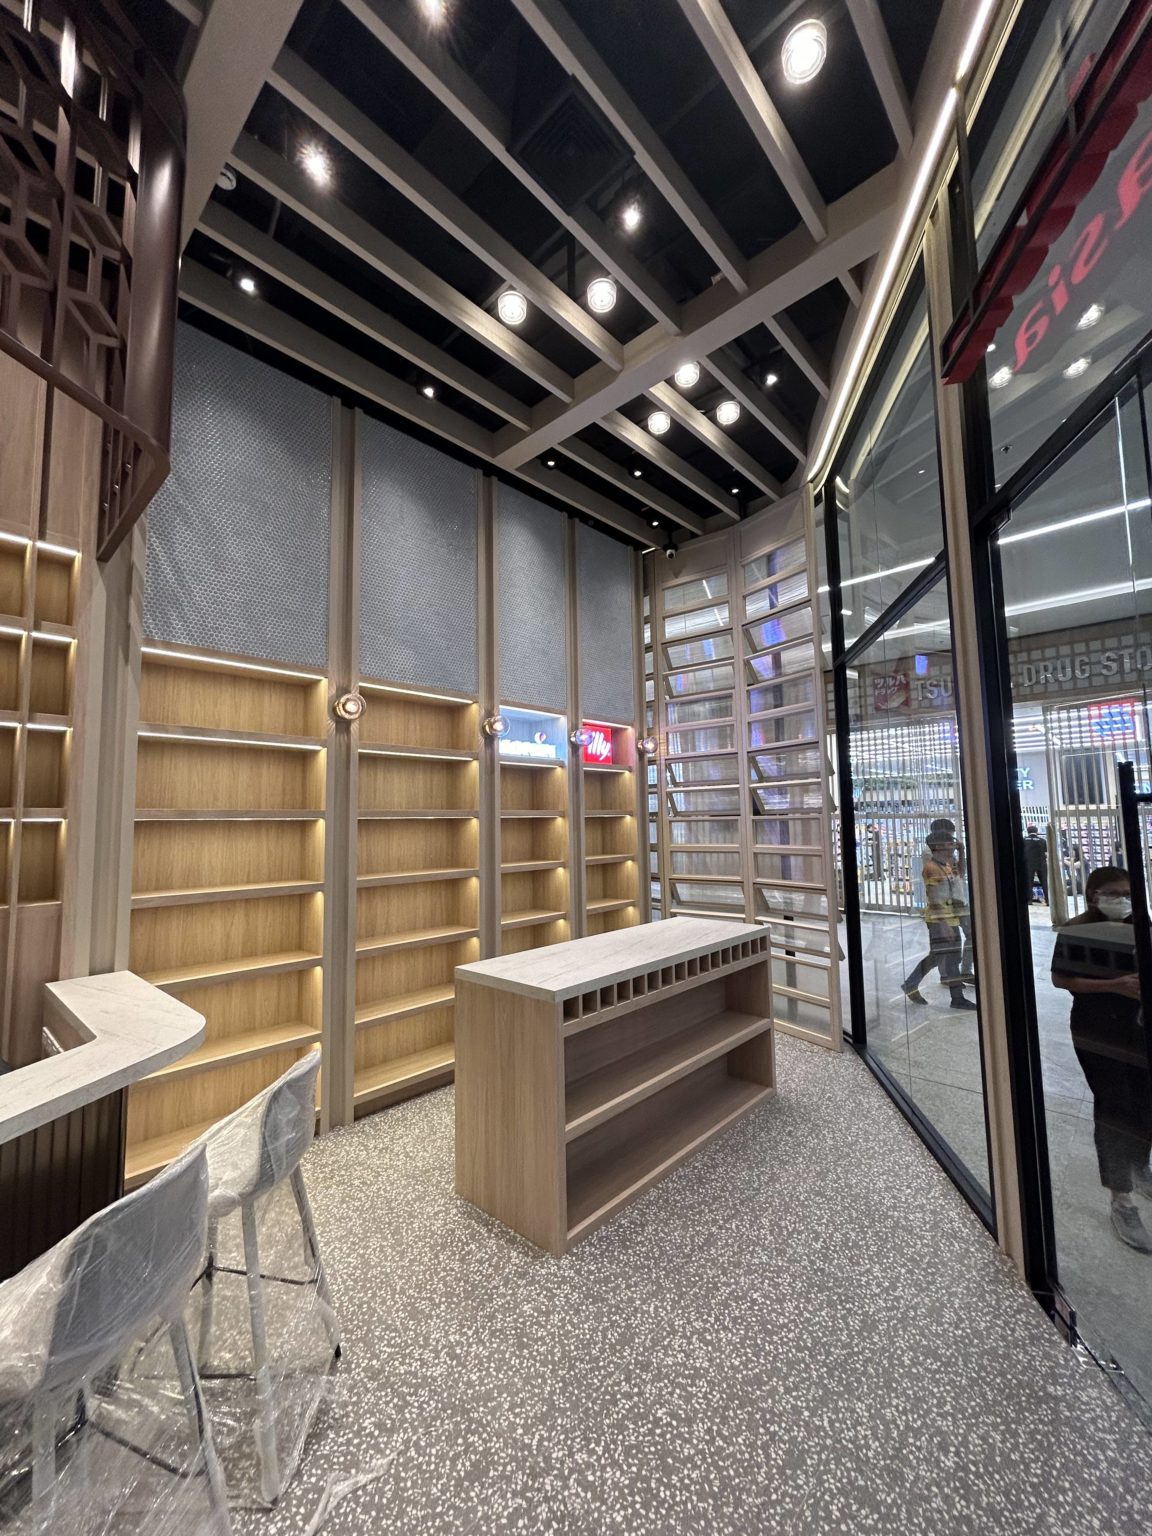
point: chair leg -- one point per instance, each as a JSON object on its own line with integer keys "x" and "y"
{"x": 198, "y": 1417}
{"x": 43, "y": 1455}
{"x": 204, "y": 1348}
{"x": 303, "y": 1205}
{"x": 265, "y": 1415}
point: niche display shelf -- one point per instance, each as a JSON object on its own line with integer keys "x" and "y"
{"x": 534, "y": 855}
{"x": 37, "y": 680}
{"x": 611, "y": 844}
{"x": 418, "y": 886}
{"x": 587, "y": 1072}
{"x": 227, "y": 905}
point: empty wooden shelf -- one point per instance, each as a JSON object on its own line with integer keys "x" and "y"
{"x": 586, "y": 1071}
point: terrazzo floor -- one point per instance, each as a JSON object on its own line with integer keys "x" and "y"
{"x": 803, "y": 1330}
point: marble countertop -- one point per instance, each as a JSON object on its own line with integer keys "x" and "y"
{"x": 127, "y": 1029}
{"x": 561, "y": 970}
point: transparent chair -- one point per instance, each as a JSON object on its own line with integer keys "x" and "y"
{"x": 249, "y": 1155}
{"x": 80, "y": 1312}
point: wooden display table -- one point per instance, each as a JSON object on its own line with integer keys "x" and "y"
{"x": 586, "y": 1071}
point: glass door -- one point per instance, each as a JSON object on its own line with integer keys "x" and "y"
{"x": 1076, "y": 571}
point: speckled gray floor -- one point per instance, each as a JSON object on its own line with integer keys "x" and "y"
{"x": 804, "y": 1330}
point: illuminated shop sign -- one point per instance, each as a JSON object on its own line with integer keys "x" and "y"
{"x": 597, "y": 752}
{"x": 1084, "y": 217}
{"x": 533, "y": 737}
{"x": 1115, "y": 721}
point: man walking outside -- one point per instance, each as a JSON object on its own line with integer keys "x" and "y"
{"x": 1036, "y": 862}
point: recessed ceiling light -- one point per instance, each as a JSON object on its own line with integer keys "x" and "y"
{"x": 1091, "y": 316}
{"x": 991, "y": 348}
{"x": 659, "y": 423}
{"x": 1076, "y": 368}
{"x": 632, "y": 216}
{"x": 770, "y": 379}
{"x": 226, "y": 179}
{"x": 655, "y": 522}
{"x": 429, "y": 391}
{"x": 923, "y": 471}
{"x": 316, "y": 164}
{"x": 247, "y": 284}
{"x": 512, "y": 307}
{"x": 727, "y": 413}
{"x": 687, "y": 375}
{"x": 601, "y": 295}
{"x": 637, "y": 474}
{"x": 735, "y": 490}
{"x": 804, "y": 51}
{"x": 1001, "y": 377}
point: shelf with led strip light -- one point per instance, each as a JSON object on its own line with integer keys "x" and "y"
{"x": 417, "y": 890}
{"x": 535, "y": 902}
{"x": 228, "y": 893}
{"x": 611, "y": 848}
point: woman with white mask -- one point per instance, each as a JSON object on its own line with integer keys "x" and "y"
{"x": 1098, "y": 967}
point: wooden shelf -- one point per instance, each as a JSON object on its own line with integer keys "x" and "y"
{"x": 606, "y": 1183}
{"x": 404, "y": 1072}
{"x": 404, "y": 1005}
{"x": 411, "y": 876}
{"x": 611, "y": 904}
{"x": 145, "y": 1158}
{"x": 260, "y": 1042}
{"x": 610, "y": 858}
{"x": 418, "y": 815}
{"x": 435, "y": 754}
{"x": 43, "y": 719}
{"x": 210, "y": 735}
{"x": 229, "y": 970}
{"x": 606, "y": 768}
{"x": 418, "y": 938}
{"x": 152, "y": 814}
{"x": 535, "y": 764}
{"x": 606, "y": 1092}
{"x": 589, "y": 815}
{"x": 196, "y": 895}
{"x": 531, "y": 866}
{"x": 532, "y": 816}
{"x": 532, "y": 918}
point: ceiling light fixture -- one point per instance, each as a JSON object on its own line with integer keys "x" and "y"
{"x": 1001, "y": 377}
{"x": 512, "y": 307}
{"x": 804, "y": 51}
{"x": 247, "y": 284}
{"x": 637, "y": 474}
{"x": 770, "y": 379}
{"x": 1091, "y": 316}
{"x": 601, "y": 295}
{"x": 549, "y": 463}
{"x": 435, "y": 11}
{"x": 226, "y": 179}
{"x": 632, "y": 217}
{"x": 727, "y": 413}
{"x": 1077, "y": 367}
{"x": 991, "y": 347}
{"x": 316, "y": 164}
{"x": 687, "y": 375}
{"x": 659, "y": 422}
{"x": 655, "y": 522}
{"x": 429, "y": 392}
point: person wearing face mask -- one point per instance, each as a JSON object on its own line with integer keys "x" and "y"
{"x": 1095, "y": 961}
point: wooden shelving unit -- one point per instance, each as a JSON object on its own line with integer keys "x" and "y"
{"x": 611, "y": 837}
{"x": 534, "y": 887}
{"x": 658, "y": 1042}
{"x": 418, "y": 887}
{"x": 227, "y": 907}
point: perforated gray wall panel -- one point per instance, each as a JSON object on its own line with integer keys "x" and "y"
{"x": 238, "y": 534}
{"x": 531, "y": 612}
{"x": 417, "y": 564}
{"x": 607, "y": 633}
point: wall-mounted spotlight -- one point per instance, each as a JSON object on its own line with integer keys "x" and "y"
{"x": 727, "y": 413}
{"x": 648, "y": 745}
{"x": 601, "y": 295}
{"x": 496, "y": 726}
{"x": 349, "y": 706}
{"x": 687, "y": 375}
{"x": 512, "y": 307}
{"x": 581, "y": 736}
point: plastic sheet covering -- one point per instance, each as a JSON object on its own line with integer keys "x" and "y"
{"x": 93, "y": 1373}
{"x": 260, "y": 1319}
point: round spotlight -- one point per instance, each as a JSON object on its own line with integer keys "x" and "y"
{"x": 1091, "y": 316}
{"x": 226, "y": 179}
{"x": 804, "y": 51}
{"x": 632, "y": 217}
{"x": 727, "y": 413}
{"x": 316, "y": 164}
{"x": 247, "y": 284}
{"x": 648, "y": 745}
{"x": 601, "y": 295}
{"x": 512, "y": 307}
{"x": 549, "y": 463}
{"x": 770, "y": 379}
{"x": 637, "y": 474}
{"x": 497, "y": 726}
{"x": 1075, "y": 369}
{"x": 990, "y": 348}
{"x": 655, "y": 522}
{"x": 1001, "y": 377}
{"x": 435, "y": 12}
{"x": 581, "y": 736}
{"x": 429, "y": 391}
{"x": 349, "y": 706}
{"x": 687, "y": 375}
{"x": 659, "y": 422}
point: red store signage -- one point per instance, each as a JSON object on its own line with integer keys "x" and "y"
{"x": 598, "y": 750}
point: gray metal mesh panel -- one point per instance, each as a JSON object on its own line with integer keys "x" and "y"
{"x": 418, "y": 564}
{"x": 238, "y": 533}
{"x": 604, "y": 597}
{"x": 531, "y": 612}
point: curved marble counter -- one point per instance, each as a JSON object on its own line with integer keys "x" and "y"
{"x": 117, "y": 1027}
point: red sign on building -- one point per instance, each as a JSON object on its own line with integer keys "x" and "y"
{"x": 598, "y": 750}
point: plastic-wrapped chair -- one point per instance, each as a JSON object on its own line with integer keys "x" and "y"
{"x": 72, "y": 1313}
{"x": 249, "y": 1155}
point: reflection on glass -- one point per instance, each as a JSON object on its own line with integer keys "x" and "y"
{"x": 919, "y": 977}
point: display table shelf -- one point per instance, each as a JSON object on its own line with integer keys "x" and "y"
{"x": 586, "y": 1071}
